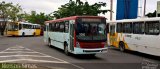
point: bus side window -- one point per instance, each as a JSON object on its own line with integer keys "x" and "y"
{"x": 57, "y": 27}
{"x": 119, "y": 28}
{"x": 152, "y": 28}
{"x": 20, "y": 26}
{"x": 53, "y": 27}
{"x": 24, "y": 26}
{"x": 138, "y": 27}
{"x": 44, "y": 28}
{"x": 30, "y": 26}
{"x": 112, "y": 30}
{"x": 38, "y": 27}
{"x": 62, "y": 27}
{"x": 34, "y": 27}
{"x": 50, "y": 27}
{"x": 66, "y": 26}
{"x": 127, "y": 27}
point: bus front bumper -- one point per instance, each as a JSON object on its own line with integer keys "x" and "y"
{"x": 90, "y": 51}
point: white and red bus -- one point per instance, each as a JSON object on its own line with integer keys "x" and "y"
{"x": 77, "y": 34}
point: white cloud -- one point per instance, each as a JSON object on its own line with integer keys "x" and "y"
{"x": 46, "y": 6}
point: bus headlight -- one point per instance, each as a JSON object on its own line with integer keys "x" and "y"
{"x": 77, "y": 44}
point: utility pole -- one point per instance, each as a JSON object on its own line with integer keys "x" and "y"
{"x": 144, "y": 8}
{"x": 111, "y": 8}
{"x": 158, "y": 10}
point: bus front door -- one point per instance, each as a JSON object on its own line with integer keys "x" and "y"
{"x": 71, "y": 35}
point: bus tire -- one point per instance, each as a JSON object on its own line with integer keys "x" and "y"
{"x": 23, "y": 34}
{"x": 49, "y": 42}
{"x": 66, "y": 49}
{"x": 121, "y": 46}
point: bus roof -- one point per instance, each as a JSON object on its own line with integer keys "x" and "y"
{"x": 24, "y": 23}
{"x": 72, "y": 17}
{"x": 27, "y": 23}
{"x": 136, "y": 20}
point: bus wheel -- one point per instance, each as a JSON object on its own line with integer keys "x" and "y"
{"x": 66, "y": 49}
{"x": 121, "y": 46}
{"x": 23, "y": 34}
{"x": 49, "y": 42}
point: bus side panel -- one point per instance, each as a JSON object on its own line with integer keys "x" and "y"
{"x": 37, "y": 31}
{"x": 132, "y": 42}
{"x": 128, "y": 39}
{"x": 20, "y": 32}
{"x": 120, "y": 37}
{"x": 149, "y": 44}
{"x": 26, "y": 32}
{"x": 143, "y": 43}
{"x": 31, "y": 31}
{"x": 23, "y": 31}
{"x": 12, "y": 33}
{"x": 57, "y": 39}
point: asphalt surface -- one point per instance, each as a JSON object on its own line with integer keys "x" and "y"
{"x": 35, "y": 54}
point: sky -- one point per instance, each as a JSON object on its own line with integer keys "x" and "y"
{"x": 48, "y": 6}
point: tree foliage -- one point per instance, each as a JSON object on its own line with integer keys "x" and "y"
{"x": 152, "y": 14}
{"x": 37, "y": 18}
{"x": 79, "y": 8}
{"x": 10, "y": 11}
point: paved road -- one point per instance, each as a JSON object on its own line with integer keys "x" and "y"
{"x": 33, "y": 51}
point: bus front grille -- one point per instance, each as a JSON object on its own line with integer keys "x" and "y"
{"x": 91, "y": 50}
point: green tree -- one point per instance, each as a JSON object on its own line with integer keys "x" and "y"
{"x": 38, "y": 18}
{"x": 4, "y": 9}
{"x": 15, "y": 11}
{"x": 79, "y": 8}
{"x": 22, "y": 16}
{"x": 9, "y": 11}
{"x": 152, "y": 14}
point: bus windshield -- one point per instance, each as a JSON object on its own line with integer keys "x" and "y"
{"x": 89, "y": 31}
{"x": 13, "y": 27}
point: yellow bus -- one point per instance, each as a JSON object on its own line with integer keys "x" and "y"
{"x": 142, "y": 35}
{"x": 22, "y": 29}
